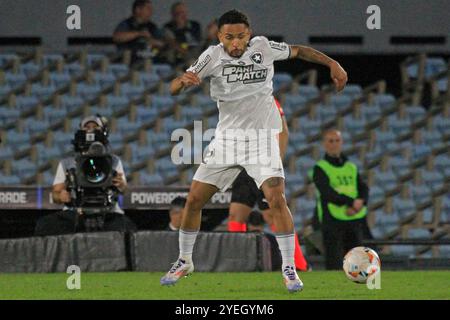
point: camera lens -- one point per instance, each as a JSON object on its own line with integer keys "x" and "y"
{"x": 96, "y": 170}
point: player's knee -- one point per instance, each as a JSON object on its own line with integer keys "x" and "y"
{"x": 277, "y": 201}
{"x": 193, "y": 203}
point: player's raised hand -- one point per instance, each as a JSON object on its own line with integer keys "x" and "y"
{"x": 338, "y": 75}
{"x": 190, "y": 79}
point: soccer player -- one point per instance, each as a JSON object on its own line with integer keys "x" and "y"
{"x": 240, "y": 71}
{"x": 245, "y": 194}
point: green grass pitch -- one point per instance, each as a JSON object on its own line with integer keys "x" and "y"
{"x": 223, "y": 286}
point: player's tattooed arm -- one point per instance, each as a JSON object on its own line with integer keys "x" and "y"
{"x": 186, "y": 80}
{"x": 337, "y": 73}
{"x": 274, "y": 182}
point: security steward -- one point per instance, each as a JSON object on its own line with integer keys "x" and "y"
{"x": 341, "y": 201}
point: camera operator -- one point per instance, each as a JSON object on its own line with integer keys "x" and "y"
{"x": 77, "y": 215}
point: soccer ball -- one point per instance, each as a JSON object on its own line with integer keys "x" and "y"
{"x": 360, "y": 263}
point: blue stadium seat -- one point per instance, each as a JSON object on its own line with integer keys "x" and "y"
{"x": 399, "y": 165}
{"x": 105, "y": 111}
{"x": 403, "y": 250}
{"x": 170, "y": 124}
{"x": 203, "y": 100}
{"x": 71, "y": 102}
{"x": 305, "y": 207}
{"x": 352, "y": 90}
{"x": 23, "y": 168}
{"x": 434, "y": 179}
{"x": 141, "y": 153}
{"x": 442, "y": 162}
{"x": 49, "y": 59}
{"x": 132, "y": 91}
{"x": 75, "y": 69}
{"x": 310, "y": 126}
{"x": 442, "y": 85}
{"x": 326, "y": 112}
{"x": 94, "y": 58}
{"x": 48, "y": 178}
{"x": 433, "y": 66}
{"x": 353, "y": 125}
{"x": 420, "y": 193}
{"x": 15, "y": 80}
{"x": 44, "y": 153}
{"x": 30, "y": 69}
{"x": 115, "y": 138}
{"x": 34, "y": 126}
{"x": 444, "y": 251}
{"x": 6, "y": 152}
{"x": 296, "y": 101}
{"x": 4, "y": 90}
{"x": 126, "y": 127}
{"x": 118, "y": 69}
{"x": 162, "y": 102}
{"x": 63, "y": 140}
{"x": 387, "y": 180}
{"x": 158, "y": 139}
{"x": 404, "y": 207}
{"x": 41, "y": 91}
{"x": 371, "y": 112}
{"x": 88, "y": 91}
{"x": 385, "y": 220}
{"x": 9, "y": 180}
{"x": 149, "y": 80}
{"x": 399, "y": 126}
{"x": 8, "y": 115}
{"x": 212, "y": 121}
{"x": 384, "y": 137}
{"x": 432, "y": 138}
{"x": 304, "y": 164}
{"x": 307, "y": 91}
{"x": 150, "y": 179}
{"x": 418, "y": 233}
{"x": 415, "y": 113}
{"x": 340, "y": 101}
{"x": 420, "y": 151}
{"x": 441, "y": 123}
{"x": 163, "y": 70}
{"x": 146, "y": 114}
{"x": 281, "y": 80}
{"x": 59, "y": 80}
{"x": 6, "y": 58}
{"x": 376, "y": 194}
{"x": 190, "y": 113}
{"x": 52, "y": 114}
{"x": 427, "y": 216}
{"x": 117, "y": 102}
{"x": 385, "y": 101}
{"x": 26, "y": 102}
{"x": 104, "y": 79}
{"x": 17, "y": 139}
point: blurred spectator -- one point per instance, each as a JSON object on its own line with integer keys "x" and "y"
{"x": 211, "y": 38}
{"x": 175, "y": 212}
{"x": 139, "y": 34}
{"x": 184, "y": 35}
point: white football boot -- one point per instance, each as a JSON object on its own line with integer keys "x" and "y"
{"x": 291, "y": 279}
{"x": 179, "y": 269}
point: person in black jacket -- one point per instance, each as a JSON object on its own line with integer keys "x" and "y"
{"x": 342, "y": 200}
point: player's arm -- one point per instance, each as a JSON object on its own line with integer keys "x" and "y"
{"x": 60, "y": 194}
{"x": 338, "y": 74}
{"x": 283, "y": 137}
{"x": 186, "y": 80}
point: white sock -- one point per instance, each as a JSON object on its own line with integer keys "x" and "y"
{"x": 186, "y": 243}
{"x": 286, "y": 243}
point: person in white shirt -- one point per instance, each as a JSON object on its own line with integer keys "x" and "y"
{"x": 68, "y": 220}
{"x": 240, "y": 71}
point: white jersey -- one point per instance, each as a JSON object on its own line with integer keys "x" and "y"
{"x": 242, "y": 87}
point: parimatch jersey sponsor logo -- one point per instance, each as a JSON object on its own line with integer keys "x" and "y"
{"x": 246, "y": 74}
{"x": 198, "y": 66}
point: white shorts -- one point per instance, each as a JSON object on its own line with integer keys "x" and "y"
{"x": 226, "y": 159}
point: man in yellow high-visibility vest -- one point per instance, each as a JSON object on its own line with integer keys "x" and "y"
{"x": 341, "y": 201}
